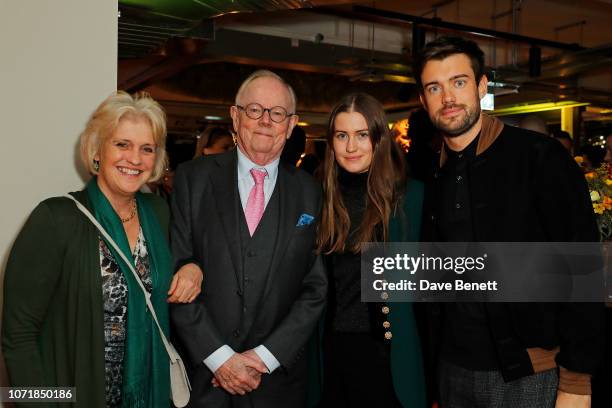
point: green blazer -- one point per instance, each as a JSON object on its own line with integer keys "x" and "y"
{"x": 406, "y": 360}
{"x": 53, "y": 317}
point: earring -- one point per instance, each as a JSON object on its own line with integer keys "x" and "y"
{"x": 96, "y": 165}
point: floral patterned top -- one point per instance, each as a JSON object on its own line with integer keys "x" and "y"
{"x": 114, "y": 296}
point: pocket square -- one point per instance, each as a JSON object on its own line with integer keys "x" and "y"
{"x": 304, "y": 220}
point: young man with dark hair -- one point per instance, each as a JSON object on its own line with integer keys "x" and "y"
{"x": 565, "y": 139}
{"x": 498, "y": 183}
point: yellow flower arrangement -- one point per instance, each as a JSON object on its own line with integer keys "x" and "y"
{"x": 600, "y": 189}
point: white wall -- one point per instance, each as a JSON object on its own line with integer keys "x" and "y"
{"x": 58, "y": 61}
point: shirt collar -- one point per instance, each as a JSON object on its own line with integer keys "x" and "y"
{"x": 245, "y": 165}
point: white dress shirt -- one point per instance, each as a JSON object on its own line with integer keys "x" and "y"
{"x": 245, "y": 184}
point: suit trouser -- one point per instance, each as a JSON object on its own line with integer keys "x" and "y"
{"x": 462, "y": 388}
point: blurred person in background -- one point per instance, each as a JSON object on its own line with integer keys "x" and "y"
{"x": 608, "y": 156}
{"x": 214, "y": 140}
{"x": 534, "y": 123}
{"x": 592, "y": 157}
{"x": 425, "y": 143}
{"x": 311, "y": 162}
{"x": 67, "y": 294}
{"x": 565, "y": 139}
{"x": 294, "y": 147}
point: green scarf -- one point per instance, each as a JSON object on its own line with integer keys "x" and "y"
{"x": 146, "y": 375}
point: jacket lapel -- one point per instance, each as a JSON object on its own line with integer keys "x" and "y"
{"x": 290, "y": 193}
{"x": 224, "y": 180}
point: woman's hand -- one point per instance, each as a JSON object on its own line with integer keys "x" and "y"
{"x": 186, "y": 284}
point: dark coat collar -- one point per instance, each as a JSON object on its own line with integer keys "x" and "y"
{"x": 489, "y": 132}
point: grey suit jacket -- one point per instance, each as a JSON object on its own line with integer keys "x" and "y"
{"x": 275, "y": 301}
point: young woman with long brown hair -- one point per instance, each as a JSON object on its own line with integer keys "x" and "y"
{"x": 371, "y": 350}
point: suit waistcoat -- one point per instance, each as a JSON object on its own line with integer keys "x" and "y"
{"x": 257, "y": 251}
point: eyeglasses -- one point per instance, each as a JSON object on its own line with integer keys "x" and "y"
{"x": 255, "y": 111}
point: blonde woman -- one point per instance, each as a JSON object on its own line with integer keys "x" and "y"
{"x": 74, "y": 315}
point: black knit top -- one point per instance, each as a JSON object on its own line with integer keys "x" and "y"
{"x": 346, "y": 312}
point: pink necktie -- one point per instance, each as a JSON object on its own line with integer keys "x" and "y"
{"x": 256, "y": 202}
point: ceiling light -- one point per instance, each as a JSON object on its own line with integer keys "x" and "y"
{"x": 502, "y": 88}
{"x": 536, "y": 107}
{"x": 399, "y": 78}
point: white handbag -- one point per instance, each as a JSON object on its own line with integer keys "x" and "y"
{"x": 179, "y": 381}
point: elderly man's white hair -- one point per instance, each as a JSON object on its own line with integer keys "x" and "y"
{"x": 264, "y": 73}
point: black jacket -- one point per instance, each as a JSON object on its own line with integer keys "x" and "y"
{"x": 526, "y": 188}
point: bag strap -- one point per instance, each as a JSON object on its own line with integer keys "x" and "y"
{"x": 169, "y": 348}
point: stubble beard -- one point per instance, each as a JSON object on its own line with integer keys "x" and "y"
{"x": 469, "y": 120}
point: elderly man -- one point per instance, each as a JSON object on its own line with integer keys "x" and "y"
{"x": 249, "y": 224}
{"x": 497, "y": 183}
